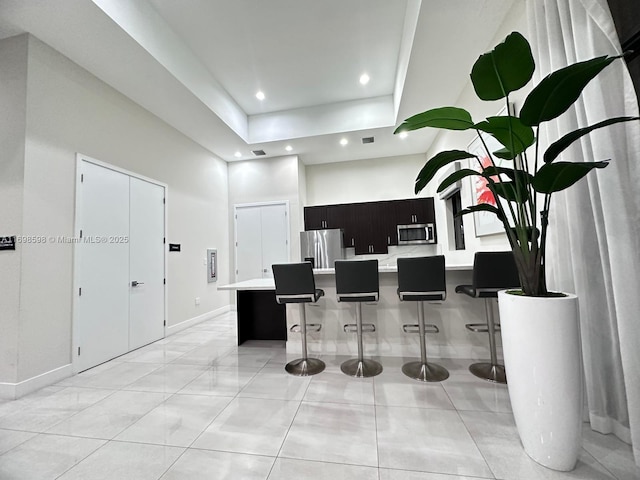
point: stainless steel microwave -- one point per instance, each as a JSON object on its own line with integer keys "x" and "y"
{"x": 415, "y": 234}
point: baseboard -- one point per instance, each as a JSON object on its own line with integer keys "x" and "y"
{"x": 11, "y": 391}
{"x": 178, "y": 327}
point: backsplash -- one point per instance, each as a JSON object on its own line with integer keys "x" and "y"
{"x": 391, "y": 258}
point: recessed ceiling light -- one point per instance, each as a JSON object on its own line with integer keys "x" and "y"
{"x": 260, "y": 95}
{"x": 343, "y": 141}
{"x": 403, "y": 134}
{"x": 237, "y": 154}
{"x": 364, "y": 79}
{"x": 288, "y": 148}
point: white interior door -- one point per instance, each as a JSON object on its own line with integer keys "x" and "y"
{"x": 274, "y": 237}
{"x": 146, "y": 247}
{"x": 248, "y": 243}
{"x": 103, "y": 302}
{"x": 262, "y": 233}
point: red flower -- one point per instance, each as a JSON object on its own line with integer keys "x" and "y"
{"x": 483, "y": 194}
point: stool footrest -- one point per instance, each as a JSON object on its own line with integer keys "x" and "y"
{"x": 481, "y": 327}
{"x": 353, "y": 328}
{"x": 415, "y": 328}
{"x": 311, "y": 327}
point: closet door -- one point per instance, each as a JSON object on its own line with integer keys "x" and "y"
{"x": 103, "y": 303}
{"x": 146, "y": 278}
{"x": 120, "y": 273}
{"x": 262, "y": 233}
{"x": 248, "y": 243}
{"x": 275, "y": 226}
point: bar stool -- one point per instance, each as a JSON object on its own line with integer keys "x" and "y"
{"x": 357, "y": 281}
{"x": 422, "y": 279}
{"x": 492, "y": 271}
{"x": 295, "y": 284}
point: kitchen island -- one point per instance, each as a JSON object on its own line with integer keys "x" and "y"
{"x": 388, "y": 314}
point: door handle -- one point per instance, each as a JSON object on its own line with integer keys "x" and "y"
{"x": 264, "y": 270}
{"x": 135, "y": 283}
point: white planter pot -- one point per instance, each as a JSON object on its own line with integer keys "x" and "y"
{"x": 543, "y": 362}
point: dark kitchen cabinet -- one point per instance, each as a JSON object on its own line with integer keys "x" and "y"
{"x": 325, "y": 216}
{"x": 315, "y": 217}
{"x": 419, "y": 210}
{"x": 369, "y": 234}
{"x": 389, "y": 221}
{"x": 370, "y": 227}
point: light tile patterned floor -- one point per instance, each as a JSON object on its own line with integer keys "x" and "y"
{"x": 195, "y": 406}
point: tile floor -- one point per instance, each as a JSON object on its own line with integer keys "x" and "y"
{"x": 196, "y": 406}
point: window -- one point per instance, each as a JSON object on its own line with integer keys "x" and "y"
{"x": 458, "y": 225}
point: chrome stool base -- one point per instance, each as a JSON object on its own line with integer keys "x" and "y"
{"x": 302, "y": 368}
{"x": 425, "y": 372}
{"x": 487, "y": 371}
{"x": 361, "y": 368}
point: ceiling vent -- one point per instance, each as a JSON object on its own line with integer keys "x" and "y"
{"x": 258, "y": 153}
{"x": 367, "y": 139}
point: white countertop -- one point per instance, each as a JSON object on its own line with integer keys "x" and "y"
{"x": 254, "y": 284}
{"x": 268, "y": 284}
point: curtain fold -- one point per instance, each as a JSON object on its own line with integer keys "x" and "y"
{"x": 594, "y": 234}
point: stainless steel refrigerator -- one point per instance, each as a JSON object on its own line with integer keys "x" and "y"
{"x": 322, "y": 247}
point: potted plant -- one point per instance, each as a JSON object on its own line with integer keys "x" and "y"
{"x": 540, "y": 332}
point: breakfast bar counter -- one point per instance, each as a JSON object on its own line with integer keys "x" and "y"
{"x": 260, "y": 317}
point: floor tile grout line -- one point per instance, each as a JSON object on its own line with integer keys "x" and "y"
{"x": 293, "y": 418}
{"x": 332, "y": 462}
{"x": 375, "y": 424}
{"x": 83, "y": 459}
{"x": 484, "y": 458}
{"x": 613, "y": 475}
{"x": 21, "y": 443}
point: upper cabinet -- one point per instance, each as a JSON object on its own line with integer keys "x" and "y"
{"x": 370, "y": 227}
{"x": 419, "y": 210}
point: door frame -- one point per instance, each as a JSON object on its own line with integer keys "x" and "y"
{"x": 235, "y": 227}
{"x": 75, "y": 320}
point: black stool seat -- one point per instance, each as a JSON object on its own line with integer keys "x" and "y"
{"x": 422, "y": 279}
{"x": 357, "y": 282}
{"x": 492, "y": 272}
{"x": 301, "y": 298}
{"x": 295, "y": 284}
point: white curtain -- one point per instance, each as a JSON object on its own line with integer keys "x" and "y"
{"x": 594, "y": 242}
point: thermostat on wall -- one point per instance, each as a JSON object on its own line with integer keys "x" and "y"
{"x": 212, "y": 265}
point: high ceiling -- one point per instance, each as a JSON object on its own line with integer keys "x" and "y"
{"x": 198, "y": 65}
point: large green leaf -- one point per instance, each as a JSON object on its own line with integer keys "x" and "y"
{"x": 482, "y": 207}
{"x": 508, "y": 191}
{"x": 559, "y": 90}
{"x": 553, "y": 177}
{"x": 557, "y": 147}
{"x": 449, "y": 118}
{"x": 455, "y": 176}
{"x": 435, "y": 163}
{"x": 507, "y": 68}
{"x": 523, "y": 177}
{"x": 510, "y": 132}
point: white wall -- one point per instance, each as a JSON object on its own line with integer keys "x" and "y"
{"x": 267, "y": 180}
{"x": 68, "y": 111}
{"x": 13, "y": 94}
